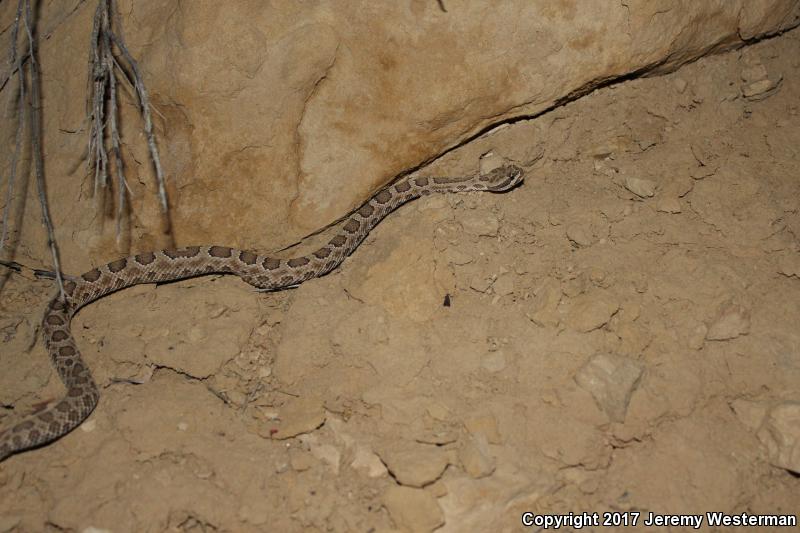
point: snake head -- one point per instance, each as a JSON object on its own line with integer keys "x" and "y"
{"x": 503, "y": 178}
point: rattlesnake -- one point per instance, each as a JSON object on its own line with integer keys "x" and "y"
{"x": 266, "y": 273}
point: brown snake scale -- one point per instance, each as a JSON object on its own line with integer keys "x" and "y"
{"x": 263, "y": 272}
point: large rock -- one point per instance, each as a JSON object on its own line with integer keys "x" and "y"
{"x": 277, "y": 118}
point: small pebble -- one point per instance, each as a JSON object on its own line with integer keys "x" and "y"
{"x": 418, "y": 466}
{"x": 413, "y": 509}
{"x": 475, "y": 457}
{"x": 611, "y": 380}
{"x": 640, "y": 187}
{"x": 780, "y": 435}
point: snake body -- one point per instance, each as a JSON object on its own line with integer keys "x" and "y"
{"x": 267, "y": 273}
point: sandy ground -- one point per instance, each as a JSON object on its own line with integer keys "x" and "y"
{"x": 620, "y": 331}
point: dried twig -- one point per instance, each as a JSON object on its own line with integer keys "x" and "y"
{"x": 144, "y": 103}
{"x": 36, "y": 142}
{"x": 103, "y": 83}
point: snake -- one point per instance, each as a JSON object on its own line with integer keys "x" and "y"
{"x": 261, "y": 271}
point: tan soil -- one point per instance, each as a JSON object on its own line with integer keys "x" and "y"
{"x": 691, "y": 285}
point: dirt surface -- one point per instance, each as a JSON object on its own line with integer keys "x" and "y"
{"x": 621, "y": 335}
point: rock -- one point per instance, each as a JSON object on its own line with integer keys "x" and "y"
{"x": 300, "y": 415}
{"x": 643, "y": 188}
{"x": 545, "y": 310}
{"x": 669, "y": 204}
{"x": 634, "y": 338}
{"x": 591, "y": 312}
{"x": 416, "y": 467}
{"x": 494, "y": 503}
{"x": 760, "y": 89}
{"x": 293, "y": 121}
{"x": 611, "y": 380}
{"x": 780, "y": 435}
{"x": 439, "y": 411}
{"x": 475, "y": 457}
{"x": 579, "y": 236}
{"x": 402, "y": 283}
{"x": 731, "y": 321}
{"x": 484, "y": 425}
{"x": 366, "y": 460}
{"x": 415, "y": 510}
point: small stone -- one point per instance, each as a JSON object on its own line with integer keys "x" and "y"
{"x": 439, "y": 411}
{"x": 415, "y": 510}
{"x": 598, "y": 277}
{"x": 780, "y": 435}
{"x": 579, "y": 236}
{"x": 643, "y": 188}
{"x": 732, "y": 320}
{"x": 475, "y": 457}
{"x": 589, "y": 314}
{"x": 545, "y": 311}
{"x": 301, "y": 415}
{"x": 416, "y": 467}
{"x": 611, "y": 380}
{"x": 669, "y": 204}
{"x": 759, "y": 90}
{"x": 680, "y": 85}
{"x": 366, "y": 459}
{"x": 485, "y": 425}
